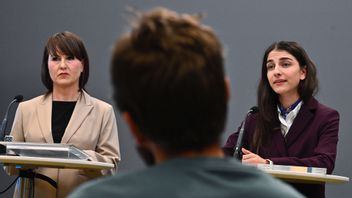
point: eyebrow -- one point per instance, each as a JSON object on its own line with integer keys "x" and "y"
{"x": 285, "y": 58}
{"x": 281, "y": 59}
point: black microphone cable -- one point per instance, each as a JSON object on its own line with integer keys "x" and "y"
{"x": 7, "y": 188}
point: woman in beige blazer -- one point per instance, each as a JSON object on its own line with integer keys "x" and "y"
{"x": 67, "y": 114}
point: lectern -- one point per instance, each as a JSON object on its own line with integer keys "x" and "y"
{"x": 28, "y": 156}
{"x": 300, "y": 174}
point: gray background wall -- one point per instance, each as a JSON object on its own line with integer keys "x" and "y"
{"x": 246, "y": 28}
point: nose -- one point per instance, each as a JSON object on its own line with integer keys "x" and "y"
{"x": 63, "y": 64}
{"x": 277, "y": 71}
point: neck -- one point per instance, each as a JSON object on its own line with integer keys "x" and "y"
{"x": 211, "y": 151}
{"x": 60, "y": 94}
{"x": 287, "y": 100}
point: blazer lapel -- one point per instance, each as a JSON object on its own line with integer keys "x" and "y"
{"x": 44, "y": 117}
{"x": 304, "y": 117}
{"x": 83, "y": 107}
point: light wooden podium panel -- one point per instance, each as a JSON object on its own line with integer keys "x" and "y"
{"x": 30, "y": 163}
{"x": 299, "y": 177}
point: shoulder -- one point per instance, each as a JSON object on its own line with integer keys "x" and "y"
{"x": 253, "y": 117}
{"x": 97, "y": 103}
{"x": 261, "y": 184}
{"x": 33, "y": 102}
{"x": 227, "y": 172}
{"x": 120, "y": 185}
{"x": 322, "y": 110}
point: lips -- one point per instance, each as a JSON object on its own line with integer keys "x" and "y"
{"x": 280, "y": 81}
{"x": 63, "y": 74}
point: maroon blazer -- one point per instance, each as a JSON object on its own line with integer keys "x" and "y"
{"x": 311, "y": 141}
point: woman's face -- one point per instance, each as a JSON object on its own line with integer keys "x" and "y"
{"x": 64, "y": 70}
{"x": 284, "y": 73}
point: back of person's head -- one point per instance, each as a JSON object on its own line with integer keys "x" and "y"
{"x": 69, "y": 44}
{"x": 168, "y": 74}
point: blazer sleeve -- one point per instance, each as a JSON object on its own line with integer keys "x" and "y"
{"x": 229, "y": 147}
{"x": 17, "y": 133}
{"x": 107, "y": 148}
{"x": 324, "y": 153}
{"x": 17, "y": 126}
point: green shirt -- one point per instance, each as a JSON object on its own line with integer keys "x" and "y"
{"x": 189, "y": 177}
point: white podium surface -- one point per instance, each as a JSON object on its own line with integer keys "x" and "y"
{"x": 299, "y": 177}
{"x": 53, "y": 162}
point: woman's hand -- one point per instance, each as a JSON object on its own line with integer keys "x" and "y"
{"x": 251, "y": 158}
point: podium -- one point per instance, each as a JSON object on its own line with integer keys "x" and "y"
{"x": 303, "y": 176}
{"x": 28, "y": 156}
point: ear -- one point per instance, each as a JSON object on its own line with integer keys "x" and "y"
{"x": 303, "y": 73}
{"x": 82, "y": 64}
{"x": 227, "y": 89}
{"x": 138, "y": 137}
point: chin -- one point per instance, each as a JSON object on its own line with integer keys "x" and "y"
{"x": 280, "y": 92}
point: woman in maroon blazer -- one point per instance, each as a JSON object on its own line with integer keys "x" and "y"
{"x": 291, "y": 127}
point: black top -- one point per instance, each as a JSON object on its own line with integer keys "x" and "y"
{"x": 60, "y": 116}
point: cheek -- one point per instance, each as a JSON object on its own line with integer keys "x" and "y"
{"x": 81, "y": 68}
{"x": 78, "y": 67}
{"x": 269, "y": 75}
{"x": 51, "y": 68}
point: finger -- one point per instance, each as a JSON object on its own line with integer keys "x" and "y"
{"x": 247, "y": 156}
{"x": 245, "y": 151}
{"x": 248, "y": 161}
{"x": 251, "y": 160}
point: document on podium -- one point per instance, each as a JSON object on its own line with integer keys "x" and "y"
{"x": 297, "y": 169}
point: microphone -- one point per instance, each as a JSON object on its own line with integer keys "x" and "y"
{"x": 18, "y": 99}
{"x": 238, "y": 149}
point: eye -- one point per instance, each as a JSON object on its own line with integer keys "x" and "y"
{"x": 70, "y": 58}
{"x": 270, "y": 66}
{"x": 54, "y": 58}
{"x": 286, "y": 64}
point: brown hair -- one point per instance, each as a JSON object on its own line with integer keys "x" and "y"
{"x": 168, "y": 74}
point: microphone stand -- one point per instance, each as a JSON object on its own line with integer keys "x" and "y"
{"x": 3, "y": 135}
{"x": 239, "y": 144}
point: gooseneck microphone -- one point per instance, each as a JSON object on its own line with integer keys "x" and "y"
{"x": 238, "y": 149}
{"x": 18, "y": 99}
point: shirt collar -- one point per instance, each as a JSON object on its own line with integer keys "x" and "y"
{"x": 285, "y": 111}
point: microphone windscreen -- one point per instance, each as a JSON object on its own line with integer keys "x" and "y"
{"x": 18, "y": 98}
{"x": 254, "y": 109}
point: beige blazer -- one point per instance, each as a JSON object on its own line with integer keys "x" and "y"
{"x": 92, "y": 128}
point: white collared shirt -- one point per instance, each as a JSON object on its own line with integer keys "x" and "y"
{"x": 286, "y": 123}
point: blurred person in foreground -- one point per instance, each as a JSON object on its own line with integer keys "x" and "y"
{"x": 170, "y": 86}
